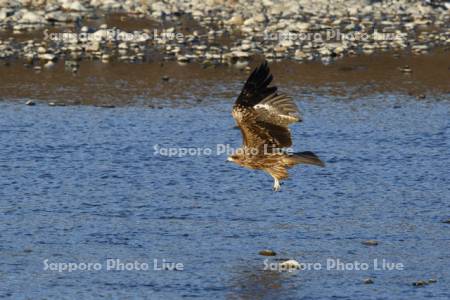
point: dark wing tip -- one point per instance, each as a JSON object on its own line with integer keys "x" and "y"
{"x": 257, "y": 87}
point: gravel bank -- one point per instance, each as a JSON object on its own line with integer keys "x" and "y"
{"x": 216, "y": 31}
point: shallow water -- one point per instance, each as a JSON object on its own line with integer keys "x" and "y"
{"x": 142, "y": 84}
{"x": 84, "y": 184}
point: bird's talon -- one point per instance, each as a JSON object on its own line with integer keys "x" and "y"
{"x": 276, "y": 186}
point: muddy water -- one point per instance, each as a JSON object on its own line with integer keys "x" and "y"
{"x": 142, "y": 84}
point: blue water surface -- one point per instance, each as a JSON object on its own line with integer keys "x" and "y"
{"x": 84, "y": 184}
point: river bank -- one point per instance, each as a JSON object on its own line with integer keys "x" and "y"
{"x": 215, "y": 31}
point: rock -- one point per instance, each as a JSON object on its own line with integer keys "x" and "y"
{"x": 236, "y": 20}
{"x": 446, "y": 221}
{"x": 56, "y": 104}
{"x": 420, "y": 283}
{"x": 183, "y": 58}
{"x": 123, "y": 46}
{"x": 280, "y": 49}
{"x": 105, "y": 58}
{"x": 368, "y": 48}
{"x": 32, "y": 18}
{"x": 419, "y": 49}
{"x": 41, "y": 50}
{"x": 249, "y": 22}
{"x": 276, "y": 9}
{"x": 246, "y": 47}
{"x": 240, "y": 54}
{"x": 432, "y": 280}
{"x": 30, "y": 103}
{"x": 259, "y": 18}
{"x": 290, "y": 265}
{"x": 300, "y": 55}
{"x": 29, "y": 57}
{"x": 405, "y": 69}
{"x": 49, "y": 65}
{"x": 368, "y": 281}
{"x": 267, "y": 252}
{"x": 241, "y": 64}
{"x": 286, "y": 43}
{"x": 353, "y": 11}
{"x": 159, "y": 8}
{"x": 201, "y": 47}
{"x": 74, "y": 6}
{"x": 3, "y": 15}
{"x": 92, "y": 47}
{"x": 165, "y": 78}
{"x": 59, "y": 16}
{"x": 325, "y": 52}
{"x": 303, "y": 27}
{"x": 106, "y": 106}
{"x": 370, "y": 243}
{"x": 47, "y": 57}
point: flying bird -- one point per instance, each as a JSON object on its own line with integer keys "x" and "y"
{"x": 263, "y": 116}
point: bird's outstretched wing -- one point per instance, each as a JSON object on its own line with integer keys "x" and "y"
{"x": 263, "y": 115}
{"x": 256, "y": 88}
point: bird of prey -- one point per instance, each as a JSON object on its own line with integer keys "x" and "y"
{"x": 263, "y": 116}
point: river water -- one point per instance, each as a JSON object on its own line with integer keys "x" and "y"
{"x": 83, "y": 184}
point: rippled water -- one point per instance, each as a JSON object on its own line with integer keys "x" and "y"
{"x": 83, "y": 184}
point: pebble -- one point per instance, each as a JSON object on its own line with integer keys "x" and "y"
{"x": 182, "y": 58}
{"x": 56, "y": 104}
{"x": 290, "y": 264}
{"x": 266, "y": 28}
{"x": 236, "y": 20}
{"x": 30, "y": 103}
{"x": 368, "y": 281}
{"x": 47, "y": 57}
{"x": 240, "y": 54}
{"x": 30, "y": 17}
{"x": 267, "y": 252}
{"x": 105, "y": 58}
{"x": 49, "y": 65}
{"x": 370, "y": 243}
{"x": 420, "y": 283}
{"x": 405, "y": 69}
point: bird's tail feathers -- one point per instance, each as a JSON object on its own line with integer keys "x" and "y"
{"x": 306, "y": 157}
